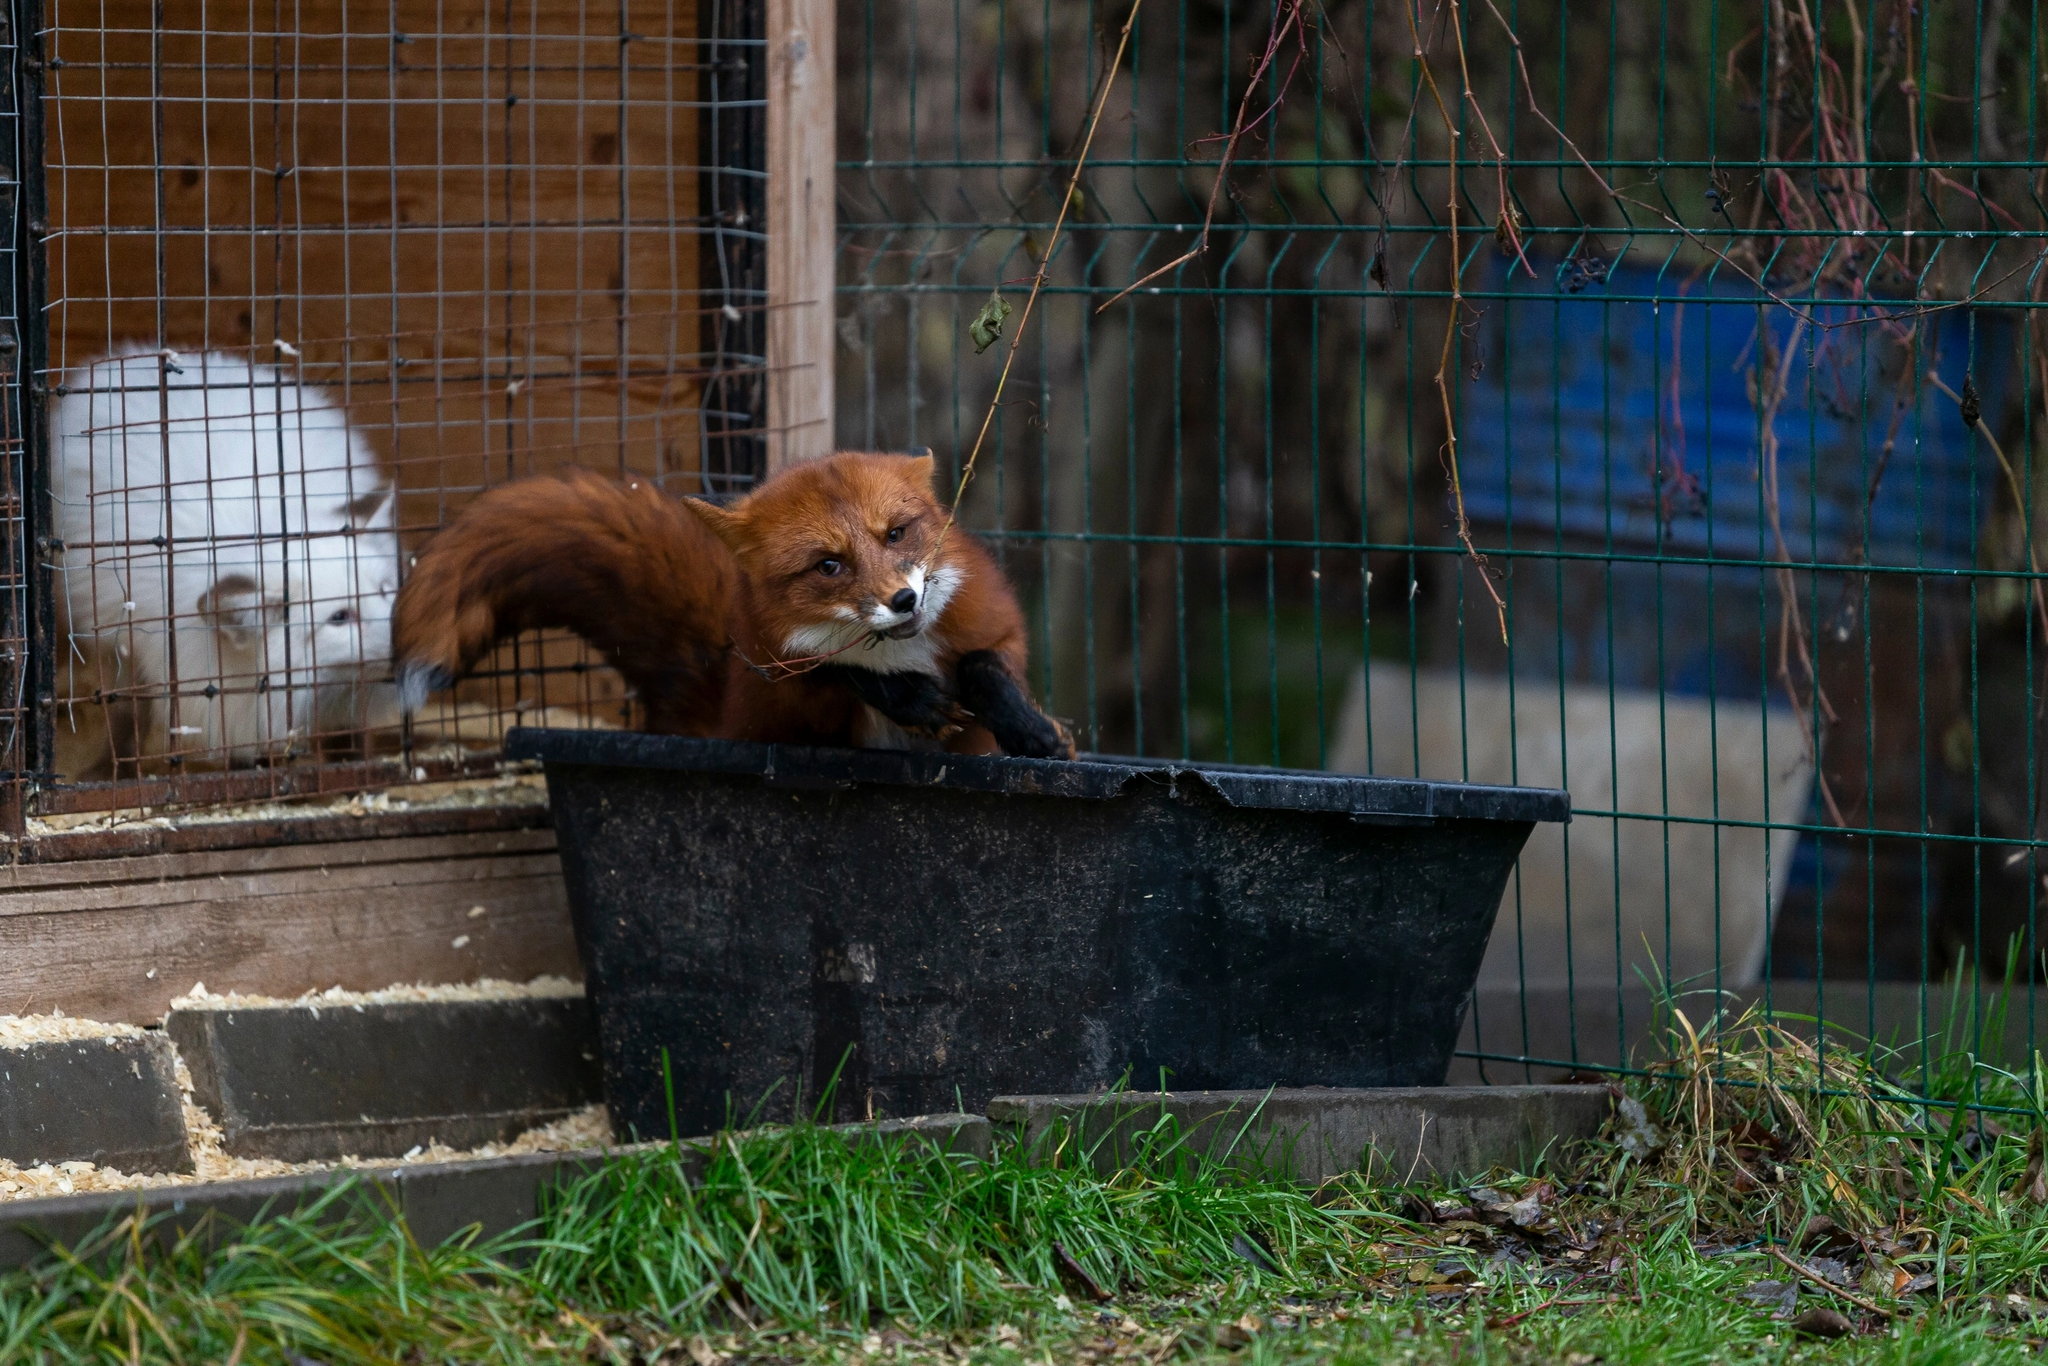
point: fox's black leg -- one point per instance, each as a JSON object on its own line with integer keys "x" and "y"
{"x": 999, "y": 703}
{"x": 915, "y": 701}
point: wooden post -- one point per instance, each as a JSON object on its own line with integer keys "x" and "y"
{"x": 801, "y": 229}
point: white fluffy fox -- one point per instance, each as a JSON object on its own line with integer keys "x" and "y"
{"x": 229, "y": 559}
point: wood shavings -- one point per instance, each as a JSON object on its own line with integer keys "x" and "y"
{"x": 509, "y": 789}
{"x": 19, "y": 1031}
{"x": 488, "y": 989}
{"x": 586, "y": 1129}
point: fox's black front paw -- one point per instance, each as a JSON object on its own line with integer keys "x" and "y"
{"x": 999, "y": 702}
{"x": 915, "y": 701}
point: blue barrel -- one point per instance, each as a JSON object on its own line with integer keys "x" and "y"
{"x": 1623, "y": 413}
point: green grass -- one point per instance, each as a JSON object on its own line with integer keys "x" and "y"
{"x": 797, "y": 1245}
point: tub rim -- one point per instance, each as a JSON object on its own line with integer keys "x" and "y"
{"x": 1094, "y": 777}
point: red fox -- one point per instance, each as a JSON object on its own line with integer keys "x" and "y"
{"x": 823, "y": 608}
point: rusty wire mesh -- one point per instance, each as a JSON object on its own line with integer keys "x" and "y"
{"x": 315, "y": 274}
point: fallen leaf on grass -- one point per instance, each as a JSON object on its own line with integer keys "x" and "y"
{"x": 1829, "y": 1269}
{"x": 1777, "y": 1296}
{"x": 1635, "y": 1133}
{"x": 1820, "y": 1232}
{"x": 1822, "y": 1322}
{"x": 702, "y": 1353}
{"x": 2032, "y": 1184}
{"x": 2023, "y": 1307}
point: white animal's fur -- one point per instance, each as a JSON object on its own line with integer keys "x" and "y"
{"x": 276, "y": 583}
{"x": 913, "y": 654}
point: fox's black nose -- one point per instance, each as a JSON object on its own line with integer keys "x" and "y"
{"x": 904, "y": 601}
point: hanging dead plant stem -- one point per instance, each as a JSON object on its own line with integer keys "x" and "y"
{"x": 1286, "y": 19}
{"x": 1457, "y": 310}
{"x": 2019, "y": 500}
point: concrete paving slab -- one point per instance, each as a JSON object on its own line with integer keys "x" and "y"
{"x": 1313, "y": 1133}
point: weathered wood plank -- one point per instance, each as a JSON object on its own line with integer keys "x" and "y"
{"x": 801, "y": 229}
{"x": 271, "y": 858}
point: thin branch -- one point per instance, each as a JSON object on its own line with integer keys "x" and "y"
{"x": 1809, "y": 1274}
{"x": 2019, "y": 499}
{"x": 1443, "y": 362}
{"x": 1037, "y": 280}
{"x": 1286, "y": 16}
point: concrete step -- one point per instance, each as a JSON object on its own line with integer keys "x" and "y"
{"x": 1314, "y": 1133}
{"x": 110, "y": 1100}
{"x": 313, "y": 1080}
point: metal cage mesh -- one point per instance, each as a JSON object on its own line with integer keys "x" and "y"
{"x": 1711, "y": 325}
{"x": 316, "y": 273}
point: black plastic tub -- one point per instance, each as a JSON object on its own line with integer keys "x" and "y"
{"x": 938, "y": 930}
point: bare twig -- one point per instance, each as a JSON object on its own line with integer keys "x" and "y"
{"x": 1443, "y": 362}
{"x": 1508, "y": 230}
{"x": 1037, "y": 279}
{"x": 1286, "y": 19}
{"x": 2019, "y": 499}
{"x": 1808, "y": 1274}
{"x": 778, "y": 669}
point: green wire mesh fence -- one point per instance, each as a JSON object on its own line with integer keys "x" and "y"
{"x": 1635, "y": 398}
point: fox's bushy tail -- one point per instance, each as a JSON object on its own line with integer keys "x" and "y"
{"x": 621, "y": 564}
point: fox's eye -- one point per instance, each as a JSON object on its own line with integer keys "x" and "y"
{"x": 896, "y": 534}
{"x": 829, "y": 567}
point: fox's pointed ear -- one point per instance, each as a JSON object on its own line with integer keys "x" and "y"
{"x": 922, "y": 468}
{"x": 727, "y": 525}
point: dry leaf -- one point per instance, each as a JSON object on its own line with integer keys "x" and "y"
{"x": 987, "y": 326}
{"x": 1821, "y": 1322}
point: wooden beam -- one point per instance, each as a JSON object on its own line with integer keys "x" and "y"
{"x": 116, "y": 939}
{"x": 802, "y": 229}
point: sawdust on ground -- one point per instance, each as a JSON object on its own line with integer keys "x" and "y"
{"x": 587, "y": 1128}
{"x": 517, "y": 788}
{"x": 334, "y": 998}
{"x": 19, "y": 1031}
